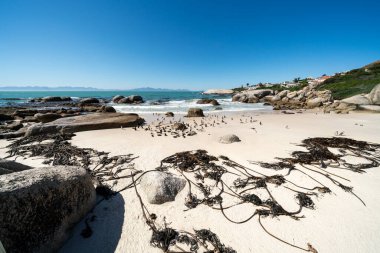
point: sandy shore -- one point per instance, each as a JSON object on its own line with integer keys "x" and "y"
{"x": 339, "y": 223}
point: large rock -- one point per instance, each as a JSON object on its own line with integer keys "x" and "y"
{"x": 94, "y": 121}
{"x": 208, "y": 101}
{"x": 229, "y": 138}
{"x": 169, "y": 114}
{"x": 219, "y": 92}
{"x": 357, "y": 100}
{"x": 46, "y": 117}
{"x": 374, "y": 95}
{"x": 160, "y": 187}
{"x": 38, "y": 206}
{"x": 8, "y": 166}
{"x": 195, "y": 112}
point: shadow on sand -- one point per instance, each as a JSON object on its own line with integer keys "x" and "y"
{"x": 106, "y": 227}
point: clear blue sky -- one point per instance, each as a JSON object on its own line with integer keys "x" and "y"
{"x": 182, "y": 44}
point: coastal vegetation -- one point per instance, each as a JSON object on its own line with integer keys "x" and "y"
{"x": 353, "y": 82}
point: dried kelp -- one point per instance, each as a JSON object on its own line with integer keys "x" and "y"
{"x": 207, "y": 184}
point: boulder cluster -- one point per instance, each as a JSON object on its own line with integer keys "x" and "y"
{"x": 370, "y": 101}
{"x": 286, "y": 99}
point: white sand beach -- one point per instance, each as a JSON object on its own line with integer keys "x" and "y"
{"x": 339, "y": 222}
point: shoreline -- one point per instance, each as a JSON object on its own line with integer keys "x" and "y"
{"x": 278, "y": 135}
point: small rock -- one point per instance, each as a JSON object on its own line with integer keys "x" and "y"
{"x": 169, "y": 114}
{"x": 160, "y": 187}
{"x": 230, "y": 138}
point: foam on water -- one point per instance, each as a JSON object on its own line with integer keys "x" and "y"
{"x": 181, "y": 107}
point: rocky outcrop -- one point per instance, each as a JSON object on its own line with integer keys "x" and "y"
{"x": 38, "y": 206}
{"x": 369, "y": 101}
{"x": 160, "y": 187}
{"x": 208, "y": 101}
{"x": 46, "y": 117}
{"x": 8, "y": 166}
{"x": 219, "y": 92}
{"x": 133, "y": 99}
{"x": 195, "y": 112}
{"x": 87, "y": 122}
{"x": 285, "y": 99}
{"x": 251, "y": 96}
{"x": 228, "y": 139}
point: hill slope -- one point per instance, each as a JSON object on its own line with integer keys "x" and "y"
{"x": 354, "y": 82}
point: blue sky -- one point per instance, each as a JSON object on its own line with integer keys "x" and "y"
{"x": 182, "y": 44}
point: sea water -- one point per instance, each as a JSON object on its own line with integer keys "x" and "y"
{"x": 154, "y": 101}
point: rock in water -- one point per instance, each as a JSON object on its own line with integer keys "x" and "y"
{"x": 160, "y": 187}
{"x": 195, "y": 112}
{"x": 116, "y": 98}
{"x": 89, "y": 101}
{"x": 229, "y": 138}
{"x": 133, "y": 99}
{"x": 38, "y": 206}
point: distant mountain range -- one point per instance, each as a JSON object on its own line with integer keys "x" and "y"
{"x": 46, "y": 88}
{"x": 72, "y": 88}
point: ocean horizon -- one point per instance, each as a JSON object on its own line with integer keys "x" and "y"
{"x": 154, "y": 101}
